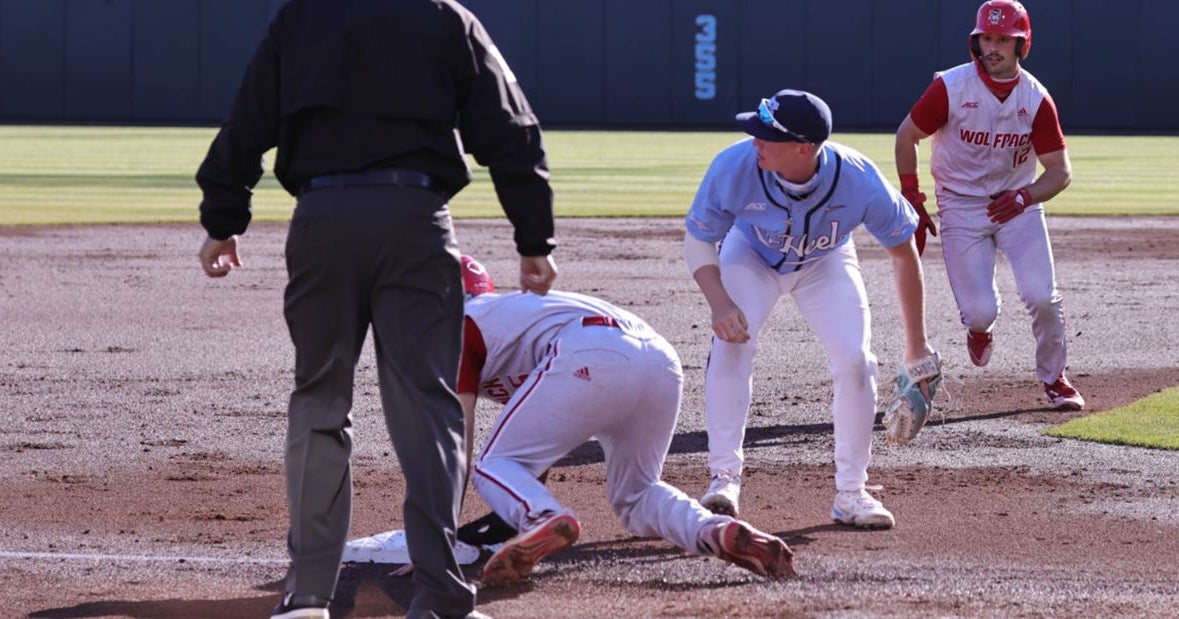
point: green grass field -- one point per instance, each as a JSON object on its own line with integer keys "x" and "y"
{"x": 83, "y": 175}
{"x": 1150, "y": 422}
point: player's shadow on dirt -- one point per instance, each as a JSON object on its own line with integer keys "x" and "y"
{"x": 590, "y": 452}
{"x": 367, "y": 590}
{"x": 644, "y": 561}
{"x": 372, "y": 590}
{"x": 937, "y": 419}
{"x": 364, "y": 590}
{"x": 796, "y": 538}
{"x": 237, "y": 608}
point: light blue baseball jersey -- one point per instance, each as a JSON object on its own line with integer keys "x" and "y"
{"x": 787, "y": 231}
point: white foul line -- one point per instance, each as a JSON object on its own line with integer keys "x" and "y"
{"x": 161, "y": 558}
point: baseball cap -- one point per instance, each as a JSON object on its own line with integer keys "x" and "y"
{"x": 788, "y": 116}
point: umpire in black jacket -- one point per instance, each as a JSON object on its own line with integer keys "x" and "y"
{"x": 363, "y": 99}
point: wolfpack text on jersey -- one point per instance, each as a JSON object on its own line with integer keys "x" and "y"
{"x": 985, "y": 147}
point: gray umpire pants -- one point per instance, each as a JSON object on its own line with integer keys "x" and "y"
{"x": 383, "y": 256}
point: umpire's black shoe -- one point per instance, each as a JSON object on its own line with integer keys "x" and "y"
{"x": 301, "y": 607}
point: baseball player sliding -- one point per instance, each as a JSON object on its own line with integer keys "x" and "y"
{"x": 568, "y": 367}
{"x": 991, "y": 121}
{"x": 785, "y": 203}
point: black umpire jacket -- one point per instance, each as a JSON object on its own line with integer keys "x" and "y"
{"x": 350, "y": 85}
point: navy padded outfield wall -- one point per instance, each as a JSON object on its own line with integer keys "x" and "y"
{"x": 609, "y": 63}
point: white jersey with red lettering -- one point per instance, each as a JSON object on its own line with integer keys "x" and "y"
{"x": 518, "y": 329}
{"x": 986, "y": 145}
{"x": 569, "y": 367}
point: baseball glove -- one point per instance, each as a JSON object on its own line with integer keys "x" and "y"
{"x": 912, "y": 399}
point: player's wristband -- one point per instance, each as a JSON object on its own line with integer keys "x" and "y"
{"x": 909, "y": 182}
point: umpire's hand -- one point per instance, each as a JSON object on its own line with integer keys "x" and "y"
{"x": 218, "y": 258}
{"x": 537, "y": 273}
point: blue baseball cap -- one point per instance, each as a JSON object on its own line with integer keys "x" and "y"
{"x": 789, "y": 116}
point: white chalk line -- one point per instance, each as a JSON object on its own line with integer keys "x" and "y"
{"x": 73, "y": 556}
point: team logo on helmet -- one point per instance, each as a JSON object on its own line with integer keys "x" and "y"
{"x": 476, "y": 280}
{"x": 1004, "y": 18}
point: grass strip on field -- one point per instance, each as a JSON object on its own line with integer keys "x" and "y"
{"x": 93, "y": 175}
{"x": 1150, "y": 422}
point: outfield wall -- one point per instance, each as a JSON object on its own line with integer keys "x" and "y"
{"x": 612, "y": 63}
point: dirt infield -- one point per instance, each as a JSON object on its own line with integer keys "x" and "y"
{"x": 142, "y": 417}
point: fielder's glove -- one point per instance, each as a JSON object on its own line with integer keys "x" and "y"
{"x": 912, "y": 399}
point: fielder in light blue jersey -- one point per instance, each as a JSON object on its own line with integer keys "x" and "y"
{"x": 782, "y": 205}
{"x": 789, "y": 230}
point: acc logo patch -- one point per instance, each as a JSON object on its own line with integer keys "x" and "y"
{"x": 755, "y": 206}
{"x": 700, "y": 223}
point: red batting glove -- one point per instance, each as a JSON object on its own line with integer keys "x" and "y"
{"x": 924, "y": 222}
{"x": 1006, "y": 205}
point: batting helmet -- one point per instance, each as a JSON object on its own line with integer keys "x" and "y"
{"x": 1003, "y": 17}
{"x": 476, "y": 279}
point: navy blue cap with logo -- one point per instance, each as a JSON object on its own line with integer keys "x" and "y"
{"x": 789, "y": 116}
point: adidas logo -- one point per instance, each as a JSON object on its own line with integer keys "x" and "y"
{"x": 583, "y": 374}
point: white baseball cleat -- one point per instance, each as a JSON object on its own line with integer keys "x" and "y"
{"x": 723, "y": 494}
{"x": 859, "y": 509}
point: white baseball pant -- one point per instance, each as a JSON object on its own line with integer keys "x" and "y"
{"x": 970, "y": 242}
{"x": 598, "y": 381}
{"x": 830, "y": 296}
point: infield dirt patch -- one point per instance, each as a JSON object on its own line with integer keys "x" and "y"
{"x": 142, "y": 416}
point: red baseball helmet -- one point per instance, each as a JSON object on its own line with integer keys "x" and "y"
{"x": 476, "y": 279}
{"x": 1003, "y": 17}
